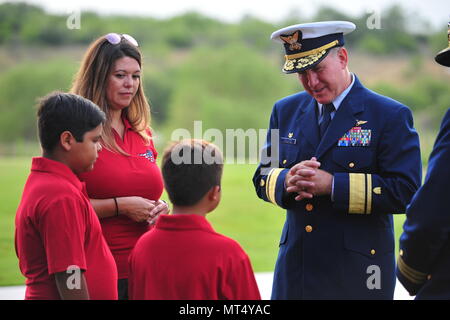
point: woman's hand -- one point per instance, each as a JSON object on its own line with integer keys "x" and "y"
{"x": 161, "y": 207}
{"x": 136, "y": 208}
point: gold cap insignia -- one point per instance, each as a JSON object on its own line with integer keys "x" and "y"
{"x": 290, "y": 135}
{"x": 293, "y": 41}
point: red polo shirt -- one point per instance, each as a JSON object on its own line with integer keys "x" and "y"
{"x": 116, "y": 175}
{"x": 56, "y": 227}
{"x": 184, "y": 258}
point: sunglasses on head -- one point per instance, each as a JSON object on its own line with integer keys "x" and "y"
{"x": 115, "y": 38}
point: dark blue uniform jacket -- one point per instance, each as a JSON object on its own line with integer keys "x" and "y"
{"x": 341, "y": 249}
{"x": 424, "y": 261}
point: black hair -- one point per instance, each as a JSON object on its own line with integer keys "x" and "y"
{"x": 187, "y": 182}
{"x": 59, "y": 112}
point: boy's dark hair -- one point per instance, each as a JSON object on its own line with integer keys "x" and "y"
{"x": 190, "y": 169}
{"x": 59, "y": 112}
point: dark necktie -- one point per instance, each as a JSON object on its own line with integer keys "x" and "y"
{"x": 327, "y": 109}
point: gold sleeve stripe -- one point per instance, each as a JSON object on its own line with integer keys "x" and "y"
{"x": 272, "y": 183}
{"x": 369, "y": 193}
{"x": 357, "y": 189}
{"x": 314, "y": 51}
{"x": 412, "y": 275}
{"x": 268, "y": 184}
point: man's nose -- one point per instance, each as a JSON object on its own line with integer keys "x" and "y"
{"x": 311, "y": 78}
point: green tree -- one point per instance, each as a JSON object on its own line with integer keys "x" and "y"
{"x": 20, "y": 87}
{"x": 13, "y": 18}
{"x": 232, "y": 88}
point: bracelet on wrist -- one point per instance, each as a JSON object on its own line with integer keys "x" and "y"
{"x": 117, "y": 207}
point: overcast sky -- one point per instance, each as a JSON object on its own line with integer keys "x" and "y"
{"x": 436, "y": 12}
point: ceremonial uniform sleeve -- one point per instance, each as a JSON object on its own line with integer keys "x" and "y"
{"x": 398, "y": 172}
{"x": 62, "y": 228}
{"x": 427, "y": 226}
{"x": 269, "y": 177}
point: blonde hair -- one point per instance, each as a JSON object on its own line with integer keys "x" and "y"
{"x": 91, "y": 82}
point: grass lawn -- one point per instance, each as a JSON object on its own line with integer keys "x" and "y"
{"x": 256, "y": 225}
{"x": 13, "y": 173}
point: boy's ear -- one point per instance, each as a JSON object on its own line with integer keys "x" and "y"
{"x": 214, "y": 193}
{"x": 66, "y": 140}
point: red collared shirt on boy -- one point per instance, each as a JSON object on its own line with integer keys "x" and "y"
{"x": 57, "y": 230}
{"x": 184, "y": 258}
{"x": 116, "y": 175}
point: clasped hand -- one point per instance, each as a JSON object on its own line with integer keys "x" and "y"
{"x": 307, "y": 180}
{"x": 140, "y": 209}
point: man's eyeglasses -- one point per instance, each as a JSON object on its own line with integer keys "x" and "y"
{"x": 115, "y": 38}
